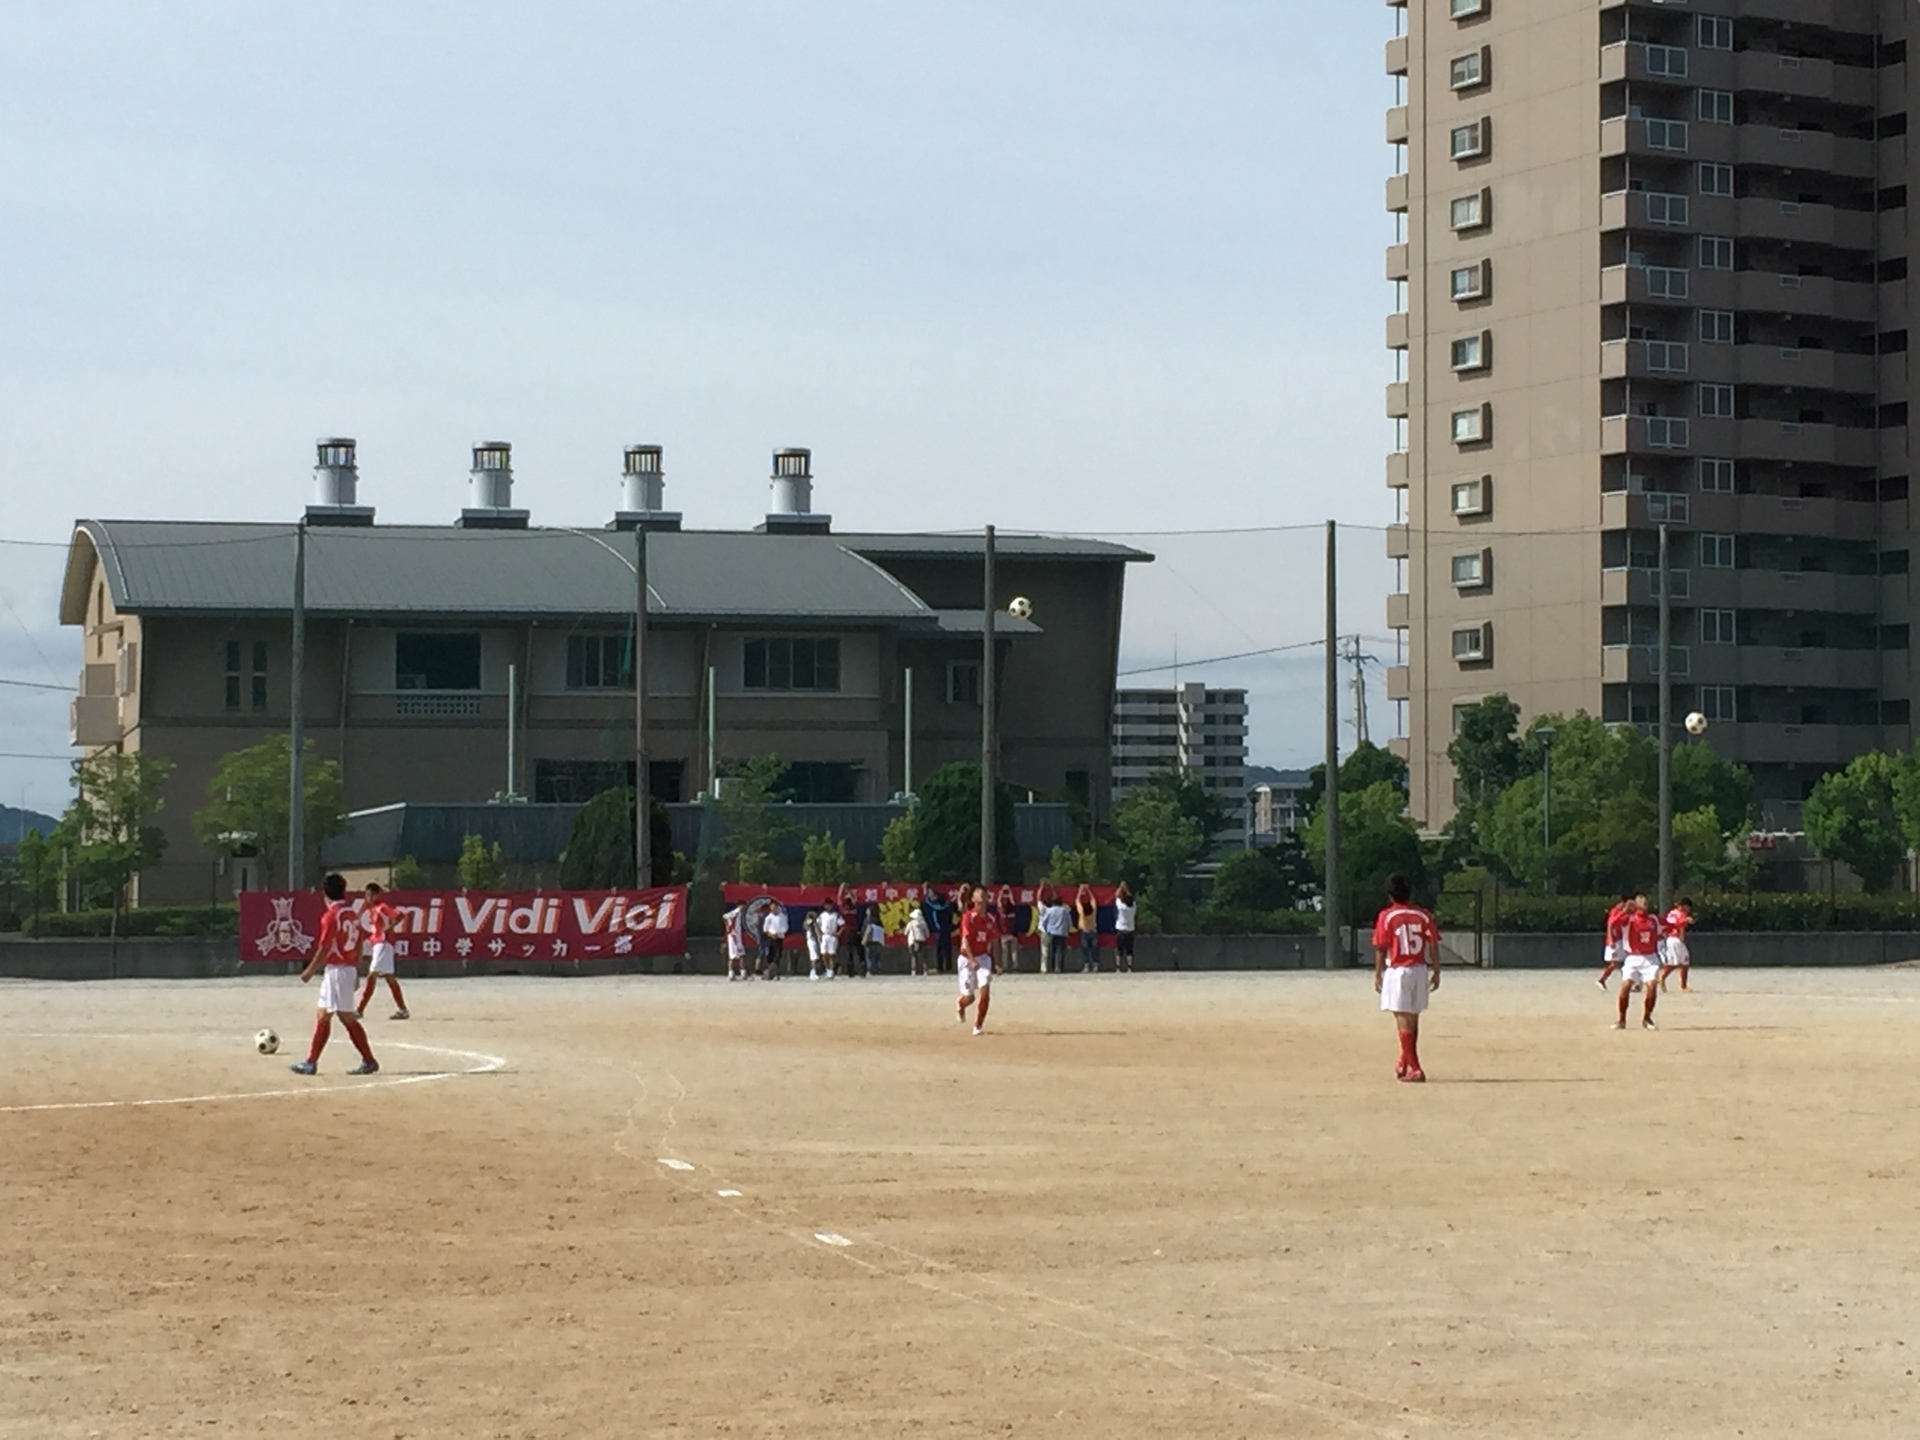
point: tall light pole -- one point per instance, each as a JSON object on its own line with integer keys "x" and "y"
{"x": 1330, "y": 798}
{"x": 642, "y": 788}
{"x": 989, "y": 729}
{"x": 1666, "y": 726}
{"x": 1546, "y": 734}
{"x": 296, "y": 724}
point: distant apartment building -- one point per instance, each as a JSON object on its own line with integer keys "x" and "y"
{"x": 1652, "y": 261}
{"x": 1278, "y": 806}
{"x": 1190, "y": 727}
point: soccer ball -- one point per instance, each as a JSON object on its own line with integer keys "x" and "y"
{"x": 1020, "y": 607}
{"x": 1696, "y": 724}
{"x": 266, "y": 1042}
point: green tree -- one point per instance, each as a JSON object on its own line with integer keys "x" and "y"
{"x": 754, "y": 867}
{"x": 248, "y": 804}
{"x": 1160, "y": 843}
{"x": 37, "y": 863}
{"x": 1376, "y": 840}
{"x": 599, "y": 853}
{"x": 898, "y": 857}
{"x": 108, "y": 831}
{"x": 482, "y": 866}
{"x": 946, "y": 826}
{"x": 1076, "y": 867}
{"x": 1487, "y": 758}
{"x": 1264, "y": 878}
{"x": 823, "y": 861}
{"x": 748, "y": 823}
{"x": 1850, "y": 817}
{"x": 1368, "y": 765}
{"x": 409, "y": 874}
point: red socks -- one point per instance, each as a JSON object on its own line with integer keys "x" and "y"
{"x": 393, "y": 984}
{"x": 322, "y": 1028}
{"x": 980, "y": 1016}
{"x": 1409, "y": 1050}
{"x": 366, "y": 995}
{"x": 357, "y": 1033}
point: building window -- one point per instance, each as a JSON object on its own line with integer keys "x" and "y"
{"x": 1469, "y": 352}
{"x": 259, "y": 677}
{"x": 1470, "y": 645}
{"x": 1667, "y": 60}
{"x": 1665, "y": 209}
{"x": 1716, "y": 327}
{"x": 1717, "y": 476}
{"x": 821, "y": 782}
{"x": 1664, "y": 282}
{"x": 1470, "y": 571}
{"x": 1715, "y": 402}
{"x": 1717, "y": 702}
{"x": 599, "y": 662}
{"x": 436, "y": 661}
{"x": 1716, "y": 252}
{"x": 1469, "y": 141}
{"x": 1666, "y": 357}
{"x": 1715, "y": 32}
{"x": 793, "y": 664}
{"x": 1716, "y": 552}
{"x": 1715, "y": 107}
{"x": 1717, "y": 627}
{"x": 1470, "y": 426}
{"x": 1473, "y": 497}
{"x": 1468, "y": 212}
{"x": 1463, "y": 9}
{"x": 1665, "y": 432}
{"x": 1469, "y": 282}
{"x": 1467, "y": 71}
{"x": 233, "y": 674}
{"x": 963, "y": 682}
{"x": 1716, "y": 179}
{"x": 1666, "y": 134}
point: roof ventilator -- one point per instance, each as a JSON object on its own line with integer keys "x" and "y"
{"x": 336, "y": 483}
{"x": 491, "y": 490}
{"x": 643, "y": 493}
{"x": 791, "y": 511}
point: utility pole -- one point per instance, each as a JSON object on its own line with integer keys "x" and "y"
{"x": 1330, "y": 799}
{"x": 989, "y": 728}
{"x": 296, "y": 725}
{"x": 1352, "y": 653}
{"x": 642, "y": 789}
{"x": 1666, "y": 726}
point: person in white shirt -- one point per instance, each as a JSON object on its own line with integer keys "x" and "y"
{"x": 827, "y": 925}
{"x": 773, "y": 941}
{"x": 1125, "y": 916}
{"x": 730, "y": 923}
{"x": 918, "y": 934}
{"x": 1056, "y": 921}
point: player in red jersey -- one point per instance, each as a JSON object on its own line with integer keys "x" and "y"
{"x": 1640, "y": 969}
{"x": 1406, "y": 969}
{"x": 978, "y": 933}
{"x": 1610, "y": 952}
{"x": 377, "y": 919}
{"x": 337, "y": 952}
{"x": 1674, "y": 954}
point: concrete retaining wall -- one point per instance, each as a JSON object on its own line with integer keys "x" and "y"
{"x": 1726, "y": 949}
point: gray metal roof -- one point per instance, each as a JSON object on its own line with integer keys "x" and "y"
{"x": 218, "y": 568}
{"x": 1019, "y": 547}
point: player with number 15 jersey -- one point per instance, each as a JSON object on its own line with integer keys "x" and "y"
{"x": 1406, "y": 969}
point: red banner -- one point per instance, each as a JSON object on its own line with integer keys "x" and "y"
{"x": 542, "y": 925}
{"x": 889, "y": 905}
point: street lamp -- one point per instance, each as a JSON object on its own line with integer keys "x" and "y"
{"x": 1546, "y": 734}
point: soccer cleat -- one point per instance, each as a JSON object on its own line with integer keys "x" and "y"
{"x": 366, "y": 1067}
{"x": 1648, "y": 1024}
{"x": 1400, "y": 1071}
{"x": 829, "y": 972}
{"x": 304, "y": 1067}
{"x": 400, "y": 1014}
{"x": 813, "y": 975}
{"x": 1619, "y": 1024}
{"x": 978, "y": 1031}
{"x": 1601, "y": 982}
{"x": 1415, "y": 1075}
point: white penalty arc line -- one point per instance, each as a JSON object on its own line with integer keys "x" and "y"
{"x": 485, "y": 1065}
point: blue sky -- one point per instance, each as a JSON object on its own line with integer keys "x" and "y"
{"x": 1061, "y": 266}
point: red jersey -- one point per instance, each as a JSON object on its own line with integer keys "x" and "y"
{"x": 1677, "y": 922}
{"x": 1409, "y": 936}
{"x": 1642, "y": 932}
{"x": 978, "y": 931}
{"x": 377, "y": 918}
{"x": 339, "y": 942}
{"x": 1616, "y": 918}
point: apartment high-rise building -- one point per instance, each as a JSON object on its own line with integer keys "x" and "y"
{"x": 1190, "y": 727}
{"x": 1653, "y": 259}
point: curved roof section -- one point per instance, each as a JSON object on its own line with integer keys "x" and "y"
{"x": 183, "y": 567}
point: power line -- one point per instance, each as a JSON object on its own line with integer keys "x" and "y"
{"x": 37, "y": 685}
{"x": 1222, "y": 659}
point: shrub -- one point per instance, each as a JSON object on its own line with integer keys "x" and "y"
{"x": 173, "y": 921}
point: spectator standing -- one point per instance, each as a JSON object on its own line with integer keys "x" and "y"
{"x": 1086, "y": 920}
{"x": 940, "y": 919}
{"x": 1055, "y": 921}
{"x": 1126, "y": 915}
{"x": 918, "y": 934}
{"x": 1006, "y": 912}
{"x": 773, "y": 941}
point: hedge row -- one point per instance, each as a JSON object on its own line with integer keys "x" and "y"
{"x": 175, "y": 921}
{"x": 1762, "y": 911}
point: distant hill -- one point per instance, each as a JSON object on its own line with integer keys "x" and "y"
{"x": 14, "y": 824}
{"x": 1268, "y": 775}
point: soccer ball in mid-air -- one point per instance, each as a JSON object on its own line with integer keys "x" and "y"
{"x": 266, "y": 1042}
{"x": 1696, "y": 724}
{"x": 1020, "y": 607}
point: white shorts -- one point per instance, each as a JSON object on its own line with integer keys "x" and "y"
{"x": 1404, "y": 989}
{"x": 381, "y": 962}
{"x": 1676, "y": 952}
{"x": 336, "y": 989}
{"x": 1641, "y": 969}
{"x": 829, "y": 946}
{"x": 976, "y": 974}
{"x": 736, "y": 948}
{"x": 1610, "y": 955}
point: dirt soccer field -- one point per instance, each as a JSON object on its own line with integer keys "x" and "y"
{"x": 1141, "y": 1206}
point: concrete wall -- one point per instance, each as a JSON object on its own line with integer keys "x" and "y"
{"x": 1720, "y": 949}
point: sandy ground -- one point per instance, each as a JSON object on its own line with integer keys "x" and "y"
{"x": 1143, "y": 1206}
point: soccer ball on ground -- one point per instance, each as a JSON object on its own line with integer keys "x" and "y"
{"x": 1696, "y": 724}
{"x": 1020, "y": 607}
{"x": 266, "y": 1042}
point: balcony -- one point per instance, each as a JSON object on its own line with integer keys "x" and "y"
{"x": 1397, "y": 402}
{"x": 1851, "y": 16}
{"x": 1633, "y": 664}
{"x": 1641, "y": 285}
{"x": 1397, "y": 125}
{"x": 1747, "y": 744}
{"x": 1642, "y": 586}
{"x": 1399, "y": 612}
{"x": 1398, "y": 265}
{"x": 1802, "y": 295}
{"x": 1399, "y": 682}
{"x": 1643, "y": 359}
{"x": 1818, "y": 591}
{"x": 1399, "y": 543}
{"x": 1633, "y": 434}
{"x": 1661, "y": 139}
{"x": 1806, "y": 224}
{"x": 1624, "y": 510}
{"x": 1786, "y": 149}
{"x": 1397, "y": 50}
{"x": 1397, "y": 331}
{"x": 1397, "y": 190}
{"x": 1657, "y": 210}
{"x": 1785, "y": 515}
{"x": 1824, "y": 669}
{"x": 1645, "y": 64}
{"x": 1788, "y": 368}
{"x": 1803, "y": 444}
{"x": 93, "y": 720}
{"x": 1397, "y": 470}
